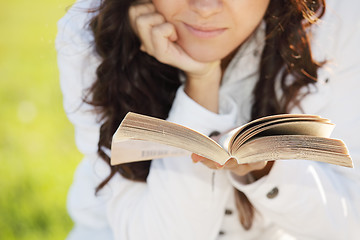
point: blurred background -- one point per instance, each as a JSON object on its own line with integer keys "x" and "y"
{"x": 37, "y": 150}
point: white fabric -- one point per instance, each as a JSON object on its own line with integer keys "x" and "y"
{"x": 182, "y": 200}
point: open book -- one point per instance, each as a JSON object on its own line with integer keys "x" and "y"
{"x": 284, "y": 136}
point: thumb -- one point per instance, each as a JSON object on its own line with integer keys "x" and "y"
{"x": 173, "y": 35}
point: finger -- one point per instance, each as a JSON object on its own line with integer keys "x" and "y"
{"x": 163, "y": 36}
{"x": 169, "y": 52}
{"x": 137, "y": 10}
{"x": 231, "y": 163}
{"x": 207, "y": 162}
{"x": 234, "y": 166}
{"x": 196, "y": 158}
{"x": 258, "y": 165}
{"x": 211, "y": 164}
{"x": 145, "y": 25}
{"x": 243, "y": 169}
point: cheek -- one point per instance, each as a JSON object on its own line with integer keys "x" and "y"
{"x": 245, "y": 22}
{"x": 167, "y": 8}
{"x": 257, "y": 10}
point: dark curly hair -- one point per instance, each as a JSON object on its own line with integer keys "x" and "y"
{"x": 130, "y": 80}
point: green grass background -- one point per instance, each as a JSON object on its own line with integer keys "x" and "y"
{"x": 37, "y": 150}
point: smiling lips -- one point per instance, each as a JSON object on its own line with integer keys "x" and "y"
{"x": 205, "y": 32}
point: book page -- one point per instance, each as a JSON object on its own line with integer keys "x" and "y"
{"x": 137, "y": 150}
{"x": 286, "y": 136}
{"x": 288, "y": 126}
{"x": 302, "y": 147}
{"x": 153, "y": 130}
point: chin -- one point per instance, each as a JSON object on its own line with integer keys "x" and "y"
{"x": 205, "y": 54}
{"x": 205, "y": 57}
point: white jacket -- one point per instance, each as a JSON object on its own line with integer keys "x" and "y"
{"x": 183, "y": 200}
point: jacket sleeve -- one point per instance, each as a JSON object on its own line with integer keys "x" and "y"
{"x": 312, "y": 200}
{"x": 180, "y": 199}
{"x": 77, "y": 64}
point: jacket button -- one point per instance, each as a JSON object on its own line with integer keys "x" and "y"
{"x": 273, "y": 193}
{"x": 214, "y": 134}
{"x": 228, "y": 212}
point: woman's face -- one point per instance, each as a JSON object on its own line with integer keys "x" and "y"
{"x": 209, "y": 30}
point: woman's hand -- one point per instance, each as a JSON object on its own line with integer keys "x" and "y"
{"x": 232, "y": 165}
{"x": 257, "y": 170}
{"x": 158, "y": 39}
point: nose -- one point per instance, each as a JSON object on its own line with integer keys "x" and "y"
{"x": 206, "y": 8}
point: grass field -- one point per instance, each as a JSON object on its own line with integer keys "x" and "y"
{"x": 37, "y": 150}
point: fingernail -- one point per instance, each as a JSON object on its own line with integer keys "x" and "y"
{"x": 218, "y": 165}
{"x": 193, "y": 157}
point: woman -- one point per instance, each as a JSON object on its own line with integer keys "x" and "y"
{"x": 210, "y": 65}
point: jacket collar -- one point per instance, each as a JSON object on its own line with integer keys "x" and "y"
{"x": 245, "y": 63}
